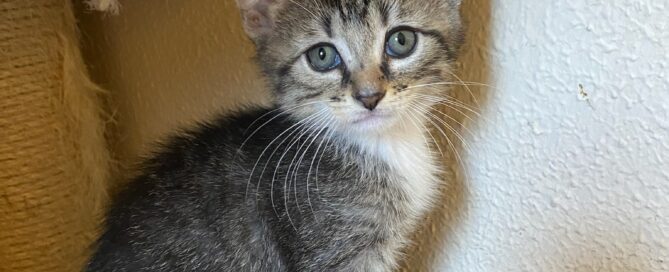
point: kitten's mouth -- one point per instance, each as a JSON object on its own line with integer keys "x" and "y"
{"x": 372, "y": 118}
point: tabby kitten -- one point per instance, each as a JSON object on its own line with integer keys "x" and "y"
{"x": 334, "y": 178}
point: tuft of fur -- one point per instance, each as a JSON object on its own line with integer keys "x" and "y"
{"x": 111, "y": 6}
{"x": 317, "y": 183}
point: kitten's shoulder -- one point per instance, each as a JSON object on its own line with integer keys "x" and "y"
{"x": 209, "y": 139}
{"x": 178, "y": 191}
{"x": 191, "y": 163}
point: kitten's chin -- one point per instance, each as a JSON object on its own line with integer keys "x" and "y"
{"x": 372, "y": 122}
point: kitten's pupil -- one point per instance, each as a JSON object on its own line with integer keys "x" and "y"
{"x": 401, "y": 39}
{"x": 322, "y": 54}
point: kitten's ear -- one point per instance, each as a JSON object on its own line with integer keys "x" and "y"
{"x": 259, "y": 16}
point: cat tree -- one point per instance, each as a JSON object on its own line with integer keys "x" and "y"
{"x": 54, "y": 162}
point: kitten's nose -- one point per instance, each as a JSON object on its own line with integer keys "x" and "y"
{"x": 369, "y": 98}
{"x": 368, "y": 87}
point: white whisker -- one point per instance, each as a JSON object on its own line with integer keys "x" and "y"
{"x": 325, "y": 125}
{"x": 450, "y": 118}
{"x": 316, "y": 129}
{"x": 267, "y": 148}
{"x": 450, "y": 143}
{"x": 305, "y": 9}
{"x": 297, "y": 126}
{"x": 436, "y": 143}
{"x": 466, "y": 87}
{"x": 276, "y": 169}
{"x": 281, "y": 113}
{"x": 310, "y": 168}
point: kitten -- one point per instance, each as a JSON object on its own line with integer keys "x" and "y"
{"x": 334, "y": 178}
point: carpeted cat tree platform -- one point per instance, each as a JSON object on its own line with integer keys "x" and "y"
{"x": 54, "y": 163}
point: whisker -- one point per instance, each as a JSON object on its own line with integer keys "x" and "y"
{"x": 417, "y": 123}
{"x": 282, "y": 112}
{"x": 297, "y": 126}
{"x": 325, "y": 125}
{"x": 318, "y": 165}
{"x": 451, "y": 83}
{"x": 267, "y": 148}
{"x": 430, "y": 114}
{"x": 436, "y": 143}
{"x": 440, "y": 103}
{"x": 303, "y": 7}
{"x": 444, "y": 83}
{"x": 318, "y": 125}
{"x": 285, "y": 152}
{"x": 450, "y": 143}
{"x": 453, "y": 102}
{"x": 451, "y": 118}
{"x": 311, "y": 167}
{"x": 453, "y": 130}
{"x": 466, "y": 87}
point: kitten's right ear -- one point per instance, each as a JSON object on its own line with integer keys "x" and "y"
{"x": 259, "y": 16}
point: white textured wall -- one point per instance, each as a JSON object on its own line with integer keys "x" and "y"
{"x": 558, "y": 183}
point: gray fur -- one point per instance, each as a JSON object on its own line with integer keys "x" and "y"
{"x": 299, "y": 187}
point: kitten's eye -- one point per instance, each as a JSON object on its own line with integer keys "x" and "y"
{"x": 323, "y": 57}
{"x": 401, "y": 44}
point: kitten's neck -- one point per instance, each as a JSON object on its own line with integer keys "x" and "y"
{"x": 387, "y": 146}
{"x": 413, "y": 166}
{"x": 390, "y": 146}
{"x": 414, "y": 170}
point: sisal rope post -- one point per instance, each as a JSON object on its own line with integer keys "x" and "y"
{"x": 54, "y": 163}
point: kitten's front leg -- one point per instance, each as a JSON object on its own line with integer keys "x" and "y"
{"x": 371, "y": 261}
{"x": 381, "y": 259}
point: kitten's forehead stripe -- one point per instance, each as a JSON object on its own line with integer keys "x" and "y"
{"x": 365, "y": 10}
{"x": 352, "y": 11}
{"x": 327, "y": 25}
{"x": 385, "y": 12}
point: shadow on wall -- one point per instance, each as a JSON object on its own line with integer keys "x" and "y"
{"x": 433, "y": 239}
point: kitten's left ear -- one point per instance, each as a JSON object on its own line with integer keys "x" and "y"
{"x": 259, "y": 16}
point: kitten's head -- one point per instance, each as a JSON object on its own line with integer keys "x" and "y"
{"x": 355, "y": 65}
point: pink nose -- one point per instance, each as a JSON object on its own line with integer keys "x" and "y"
{"x": 369, "y": 99}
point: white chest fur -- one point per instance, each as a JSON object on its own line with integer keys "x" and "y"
{"x": 415, "y": 175}
{"x": 415, "y": 172}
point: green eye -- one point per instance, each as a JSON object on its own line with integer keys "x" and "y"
{"x": 401, "y": 43}
{"x": 323, "y": 57}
